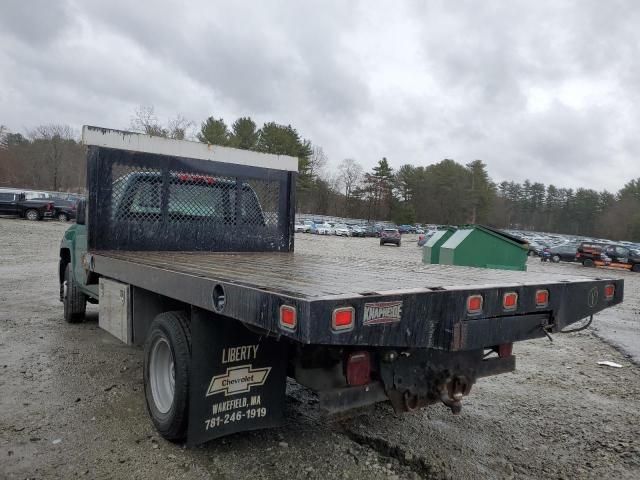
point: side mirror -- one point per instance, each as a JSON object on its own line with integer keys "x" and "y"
{"x": 81, "y": 211}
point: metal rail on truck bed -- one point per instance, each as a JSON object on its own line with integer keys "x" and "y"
{"x": 425, "y": 306}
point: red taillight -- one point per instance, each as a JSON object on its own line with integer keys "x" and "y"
{"x": 188, "y": 177}
{"x": 505, "y": 350}
{"x": 609, "y": 291}
{"x": 288, "y": 317}
{"x": 542, "y": 298}
{"x": 49, "y": 207}
{"x": 358, "y": 368}
{"x": 342, "y": 318}
{"x": 474, "y": 304}
{"x": 510, "y": 301}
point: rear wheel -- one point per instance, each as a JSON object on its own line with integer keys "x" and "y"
{"x": 587, "y": 263}
{"x": 381, "y": 243}
{"x": 32, "y": 215}
{"x": 73, "y": 300}
{"x": 167, "y": 362}
{"x": 63, "y": 217}
{"x": 635, "y": 267}
{"x": 398, "y": 244}
{"x": 555, "y": 258}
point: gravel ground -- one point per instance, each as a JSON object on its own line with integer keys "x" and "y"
{"x": 71, "y": 402}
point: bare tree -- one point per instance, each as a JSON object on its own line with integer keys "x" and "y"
{"x": 350, "y": 175}
{"x": 317, "y": 161}
{"x": 180, "y": 128}
{"x": 144, "y": 120}
{"x": 51, "y": 147}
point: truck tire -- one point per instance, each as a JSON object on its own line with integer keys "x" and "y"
{"x": 63, "y": 217}
{"x": 587, "y": 263}
{"x": 32, "y": 215}
{"x": 73, "y": 300}
{"x": 167, "y": 362}
{"x": 635, "y": 267}
{"x": 555, "y": 259}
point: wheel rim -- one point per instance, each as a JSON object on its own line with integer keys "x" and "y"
{"x": 62, "y": 217}
{"x": 31, "y": 215}
{"x": 162, "y": 376}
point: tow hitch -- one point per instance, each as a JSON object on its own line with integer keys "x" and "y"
{"x": 416, "y": 378}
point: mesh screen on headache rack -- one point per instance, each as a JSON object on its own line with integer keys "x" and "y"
{"x": 141, "y": 201}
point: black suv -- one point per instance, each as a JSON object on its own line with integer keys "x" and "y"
{"x": 564, "y": 253}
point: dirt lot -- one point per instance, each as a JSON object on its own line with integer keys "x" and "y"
{"x": 71, "y": 402}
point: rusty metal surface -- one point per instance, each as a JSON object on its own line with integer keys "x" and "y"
{"x": 311, "y": 276}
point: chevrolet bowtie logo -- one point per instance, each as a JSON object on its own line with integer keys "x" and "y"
{"x": 238, "y": 380}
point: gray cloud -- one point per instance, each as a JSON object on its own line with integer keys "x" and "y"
{"x": 36, "y": 22}
{"x": 544, "y": 90}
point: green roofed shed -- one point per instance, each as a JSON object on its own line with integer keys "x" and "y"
{"x": 480, "y": 246}
{"x": 431, "y": 249}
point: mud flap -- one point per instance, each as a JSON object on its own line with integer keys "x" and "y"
{"x": 237, "y": 379}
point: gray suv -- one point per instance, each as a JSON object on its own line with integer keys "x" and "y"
{"x": 390, "y": 235}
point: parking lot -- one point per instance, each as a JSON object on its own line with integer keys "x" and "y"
{"x": 72, "y": 403}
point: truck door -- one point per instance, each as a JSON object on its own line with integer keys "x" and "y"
{"x": 8, "y": 203}
{"x": 80, "y": 271}
{"x": 622, "y": 254}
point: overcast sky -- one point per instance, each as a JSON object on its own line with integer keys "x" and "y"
{"x": 543, "y": 90}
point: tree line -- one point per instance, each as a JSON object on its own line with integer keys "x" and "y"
{"x": 49, "y": 157}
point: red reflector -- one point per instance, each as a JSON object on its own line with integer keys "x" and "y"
{"x": 542, "y": 298}
{"x": 358, "y": 369}
{"x": 505, "y": 350}
{"x": 609, "y": 291}
{"x": 510, "y": 301}
{"x": 288, "y": 318}
{"x": 342, "y": 318}
{"x": 474, "y": 304}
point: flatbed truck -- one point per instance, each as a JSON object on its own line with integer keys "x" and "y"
{"x": 188, "y": 249}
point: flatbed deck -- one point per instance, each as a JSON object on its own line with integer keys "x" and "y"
{"x": 432, "y": 298}
{"x": 312, "y": 276}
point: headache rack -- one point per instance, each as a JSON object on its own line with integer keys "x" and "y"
{"x": 154, "y": 196}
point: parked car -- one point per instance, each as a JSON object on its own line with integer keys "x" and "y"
{"x": 342, "y": 230}
{"x": 390, "y": 235}
{"x": 564, "y": 253}
{"x": 301, "y": 228}
{"x": 358, "y": 231}
{"x": 65, "y": 210}
{"x": 592, "y": 254}
{"x": 323, "y": 229}
{"x": 371, "y": 231}
{"x": 16, "y": 204}
{"x": 535, "y": 249}
{"x": 407, "y": 229}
